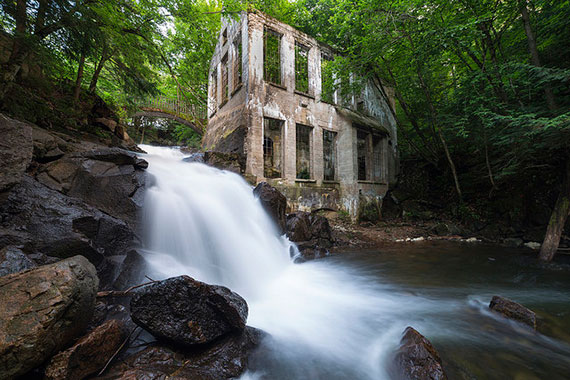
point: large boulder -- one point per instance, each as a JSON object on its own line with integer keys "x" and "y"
{"x": 274, "y": 203}
{"x": 513, "y": 310}
{"x": 15, "y": 151}
{"x": 312, "y": 233}
{"x": 188, "y": 312}
{"x": 110, "y": 179}
{"x": 132, "y": 271}
{"x": 417, "y": 358}
{"x": 89, "y": 355}
{"x": 225, "y": 358}
{"x": 42, "y": 311}
{"x": 13, "y": 260}
{"x": 48, "y": 146}
{"x": 47, "y": 221}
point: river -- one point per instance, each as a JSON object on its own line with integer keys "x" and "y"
{"x": 342, "y": 317}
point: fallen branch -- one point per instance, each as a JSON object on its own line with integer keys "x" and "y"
{"x": 118, "y": 350}
{"x": 126, "y": 292}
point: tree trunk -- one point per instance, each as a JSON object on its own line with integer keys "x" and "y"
{"x": 97, "y": 72}
{"x": 557, "y": 219}
{"x": 19, "y": 50}
{"x": 79, "y": 79}
{"x": 535, "y": 59}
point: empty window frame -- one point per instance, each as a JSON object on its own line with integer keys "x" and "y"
{"x": 377, "y": 157}
{"x": 301, "y": 68}
{"x": 362, "y": 155}
{"x": 237, "y": 62}
{"x": 272, "y": 148}
{"x": 225, "y": 84}
{"x": 327, "y": 79}
{"x": 272, "y": 56}
{"x": 329, "y": 155}
{"x": 214, "y": 94}
{"x": 303, "y": 151}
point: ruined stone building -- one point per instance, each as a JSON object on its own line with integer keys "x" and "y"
{"x": 273, "y": 101}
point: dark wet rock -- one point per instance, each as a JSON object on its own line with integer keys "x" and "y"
{"x": 15, "y": 151}
{"x": 89, "y": 355}
{"x": 195, "y": 157}
{"x": 274, "y": 203}
{"x": 298, "y": 227}
{"x": 109, "y": 179}
{"x": 232, "y": 162}
{"x": 188, "y": 312}
{"x": 417, "y": 358}
{"x": 42, "y": 311}
{"x": 46, "y": 221}
{"x": 13, "y": 260}
{"x": 312, "y": 233}
{"x": 513, "y": 310}
{"x": 132, "y": 271}
{"x": 513, "y": 242}
{"x": 48, "y": 146}
{"x": 224, "y": 358}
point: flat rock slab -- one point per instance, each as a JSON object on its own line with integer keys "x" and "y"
{"x": 188, "y": 312}
{"x": 417, "y": 358}
{"x": 89, "y": 355}
{"x": 42, "y": 311}
{"x": 225, "y": 358}
{"x": 513, "y": 310}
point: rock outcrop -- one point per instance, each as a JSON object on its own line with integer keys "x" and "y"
{"x": 232, "y": 162}
{"x": 312, "y": 233}
{"x": 44, "y": 220}
{"x": 417, "y": 358}
{"x": 89, "y": 355}
{"x": 42, "y": 311}
{"x": 110, "y": 179}
{"x": 274, "y": 203}
{"x": 226, "y": 358}
{"x": 187, "y": 312}
{"x": 513, "y": 310}
{"x": 15, "y": 151}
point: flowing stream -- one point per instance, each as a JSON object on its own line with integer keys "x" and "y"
{"x": 342, "y": 317}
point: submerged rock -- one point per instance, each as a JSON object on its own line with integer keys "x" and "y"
{"x": 89, "y": 355}
{"x": 225, "y": 358}
{"x": 512, "y": 310}
{"x": 417, "y": 358}
{"x": 274, "y": 203}
{"x": 188, "y": 312}
{"x": 42, "y": 311}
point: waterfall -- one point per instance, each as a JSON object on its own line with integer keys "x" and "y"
{"x": 206, "y": 223}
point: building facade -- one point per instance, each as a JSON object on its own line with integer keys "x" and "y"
{"x": 271, "y": 101}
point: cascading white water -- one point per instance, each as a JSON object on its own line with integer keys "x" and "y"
{"x": 206, "y": 223}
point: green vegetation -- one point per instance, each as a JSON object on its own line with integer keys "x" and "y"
{"x": 482, "y": 87}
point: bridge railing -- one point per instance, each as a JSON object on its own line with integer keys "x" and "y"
{"x": 188, "y": 111}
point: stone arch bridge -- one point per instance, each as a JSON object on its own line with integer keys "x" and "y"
{"x": 192, "y": 115}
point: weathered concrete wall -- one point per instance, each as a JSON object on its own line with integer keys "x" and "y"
{"x": 227, "y": 125}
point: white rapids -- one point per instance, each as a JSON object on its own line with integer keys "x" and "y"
{"x": 325, "y": 321}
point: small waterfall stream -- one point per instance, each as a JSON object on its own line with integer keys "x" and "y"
{"x": 206, "y": 223}
{"x": 326, "y": 319}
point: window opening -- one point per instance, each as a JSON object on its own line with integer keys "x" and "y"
{"x": 225, "y": 84}
{"x": 301, "y": 68}
{"x": 272, "y": 56}
{"x": 272, "y": 148}
{"x": 329, "y": 155}
{"x": 327, "y": 79}
{"x": 303, "y": 157}
{"x": 362, "y": 155}
{"x": 237, "y": 62}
